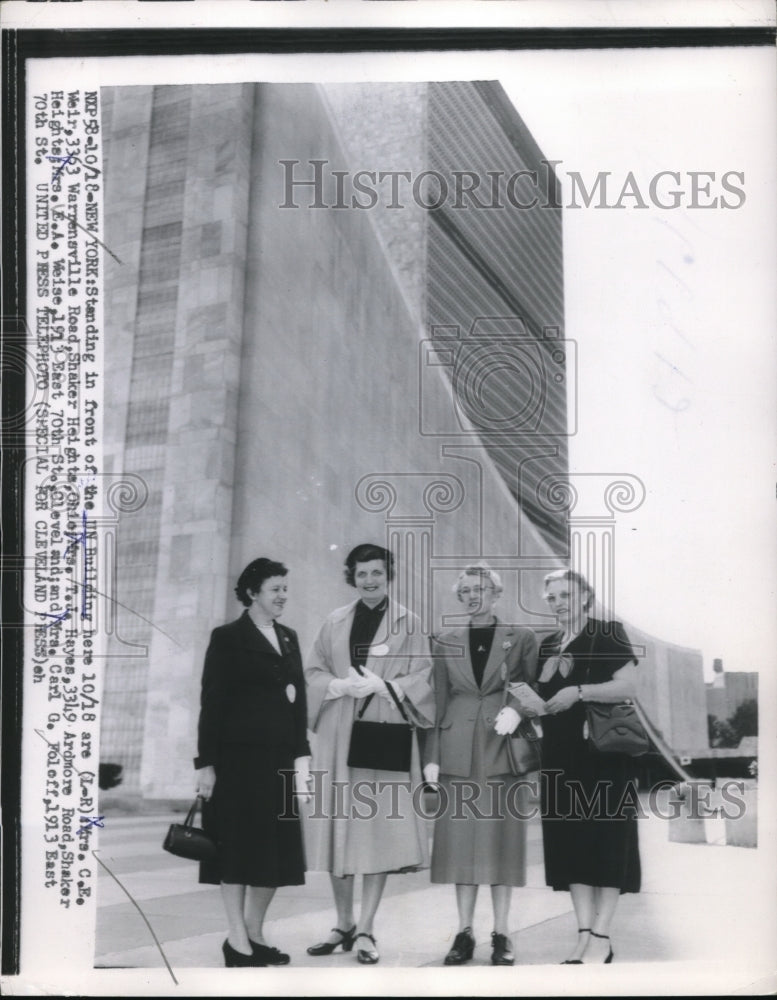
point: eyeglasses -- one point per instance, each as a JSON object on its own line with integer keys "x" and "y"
{"x": 477, "y": 591}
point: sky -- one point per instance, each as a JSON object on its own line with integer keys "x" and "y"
{"x": 673, "y": 312}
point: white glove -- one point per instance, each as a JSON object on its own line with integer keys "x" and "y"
{"x": 302, "y": 779}
{"x": 507, "y": 721}
{"x": 370, "y": 683}
{"x": 345, "y": 686}
{"x": 432, "y": 774}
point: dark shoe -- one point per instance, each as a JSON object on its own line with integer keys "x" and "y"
{"x": 236, "y": 959}
{"x": 502, "y": 953}
{"x": 604, "y": 937}
{"x": 577, "y": 961}
{"x": 270, "y": 956}
{"x": 347, "y": 939}
{"x": 368, "y": 956}
{"x": 462, "y": 948}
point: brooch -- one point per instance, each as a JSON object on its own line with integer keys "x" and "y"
{"x": 507, "y": 645}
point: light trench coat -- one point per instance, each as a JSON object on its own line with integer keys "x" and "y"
{"x": 363, "y": 821}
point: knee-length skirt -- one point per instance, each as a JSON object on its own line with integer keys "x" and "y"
{"x": 480, "y": 833}
{"x": 252, "y": 817}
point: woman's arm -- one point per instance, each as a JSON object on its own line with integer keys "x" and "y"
{"x": 300, "y": 707}
{"x": 440, "y": 674}
{"x": 213, "y": 698}
{"x": 319, "y": 673}
{"x": 524, "y": 668}
{"x": 622, "y": 686}
{"x": 413, "y": 684}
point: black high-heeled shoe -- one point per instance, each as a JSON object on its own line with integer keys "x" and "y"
{"x": 368, "y": 956}
{"x": 577, "y": 961}
{"x": 604, "y": 937}
{"x": 234, "y": 959}
{"x": 270, "y": 956}
{"x": 347, "y": 939}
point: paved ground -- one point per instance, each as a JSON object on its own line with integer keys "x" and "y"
{"x": 698, "y": 910}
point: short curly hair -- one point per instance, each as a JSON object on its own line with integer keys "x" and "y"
{"x": 484, "y": 572}
{"x": 366, "y": 553}
{"x": 254, "y": 575}
{"x": 573, "y": 577}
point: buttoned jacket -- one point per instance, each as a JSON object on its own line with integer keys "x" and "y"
{"x": 466, "y": 712}
{"x": 251, "y": 693}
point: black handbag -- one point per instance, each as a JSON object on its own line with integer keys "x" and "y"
{"x": 381, "y": 746}
{"x": 616, "y": 728}
{"x": 186, "y": 840}
{"x": 523, "y": 744}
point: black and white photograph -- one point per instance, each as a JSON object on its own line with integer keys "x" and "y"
{"x": 397, "y": 461}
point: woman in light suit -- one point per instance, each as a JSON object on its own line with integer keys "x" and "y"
{"x": 364, "y": 821}
{"x": 483, "y": 843}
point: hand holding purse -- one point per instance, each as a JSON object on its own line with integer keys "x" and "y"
{"x": 186, "y": 840}
{"x": 523, "y": 744}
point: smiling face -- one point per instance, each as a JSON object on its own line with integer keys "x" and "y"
{"x": 478, "y": 596}
{"x": 566, "y": 599}
{"x": 371, "y": 581}
{"x": 270, "y": 600}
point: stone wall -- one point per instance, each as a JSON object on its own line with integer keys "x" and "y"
{"x": 285, "y": 384}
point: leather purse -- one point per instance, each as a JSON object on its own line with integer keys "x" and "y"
{"x": 616, "y": 728}
{"x": 523, "y": 744}
{"x": 186, "y": 840}
{"x": 381, "y": 746}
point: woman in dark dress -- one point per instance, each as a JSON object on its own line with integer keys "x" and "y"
{"x": 588, "y": 798}
{"x": 252, "y": 739}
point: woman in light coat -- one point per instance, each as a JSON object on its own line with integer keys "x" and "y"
{"x": 362, "y": 821}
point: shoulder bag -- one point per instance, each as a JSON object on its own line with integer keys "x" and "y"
{"x": 381, "y": 746}
{"x": 615, "y": 727}
{"x": 186, "y": 840}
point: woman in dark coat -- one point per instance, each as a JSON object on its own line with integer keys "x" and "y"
{"x": 592, "y": 852}
{"x": 468, "y": 754}
{"x": 253, "y": 755}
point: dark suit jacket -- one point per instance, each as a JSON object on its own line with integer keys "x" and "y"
{"x": 244, "y": 692}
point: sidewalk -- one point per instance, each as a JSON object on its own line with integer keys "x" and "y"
{"x": 695, "y": 906}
